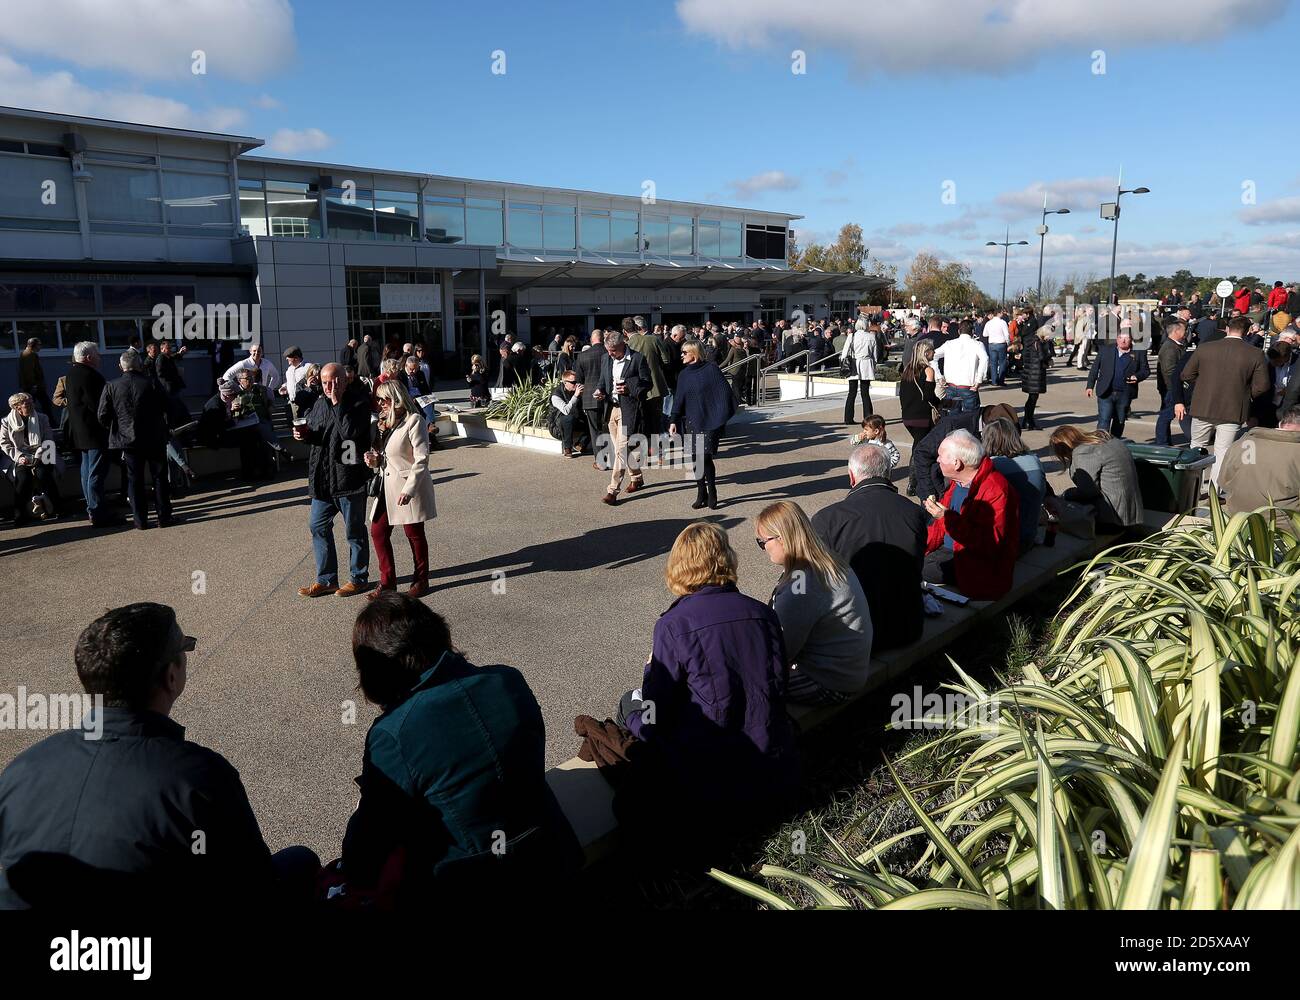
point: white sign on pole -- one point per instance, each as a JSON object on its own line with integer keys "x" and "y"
{"x": 1223, "y": 289}
{"x": 397, "y": 298}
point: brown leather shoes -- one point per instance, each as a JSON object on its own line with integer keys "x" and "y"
{"x": 418, "y": 589}
{"x": 633, "y": 486}
{"x": 610, "y": 498}
{"x": 381, "y": 589}
{"x": 350, "y": 588}
{"x": 316, "y": 590}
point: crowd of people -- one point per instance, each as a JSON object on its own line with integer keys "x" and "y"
{"x": 453, "y": 795}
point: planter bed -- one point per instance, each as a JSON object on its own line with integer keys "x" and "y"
{"x": 793, "y": 387}
{"x": 477, "y": 427}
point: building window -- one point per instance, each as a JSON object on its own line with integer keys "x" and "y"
{"x": 654, "y": 234}
{"x": 397, "y": 215}
{"x": 118, "y": 333}
{"x": 623, "y": 232}
{"x": 710, "y": 238}
{"x": 198, "y": 200}
{"x": 120, "y": 194}
{"x": 444, "y": 220}
{"x": 292, "y": 208}
{"x": 37, "y": 193}
{"x": 252, "y": 207}
{"x": 595, "y": 230}
{"x": 525, "y": 225}
{"x": 558, "y": 227}
{"x": 351, "y": 213}
{"x": 483, "y": 222}
{"x": 731, "y": 245}
{"x": 682, "y": 237}
{"x": 765, "y": 242}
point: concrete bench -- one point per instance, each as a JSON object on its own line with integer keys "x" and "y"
{"x": 587, "y": 798}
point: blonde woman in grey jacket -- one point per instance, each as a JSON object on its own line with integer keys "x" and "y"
{"x": 862, "y": 350}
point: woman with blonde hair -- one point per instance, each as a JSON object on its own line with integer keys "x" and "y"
{"x": 718, "y": 747}
{"x": 823, "y": 610}
{"x": 702, "y": 405}
{"x": 404, "y": 494}
{"x": 1104, "y": 475}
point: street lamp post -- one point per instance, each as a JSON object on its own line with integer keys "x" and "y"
{"x": 1110, "y": 210}
{"x": 1042, "y": 239}
{"x": 1006, "y": 251}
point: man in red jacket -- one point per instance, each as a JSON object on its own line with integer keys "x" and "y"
{"x": 1241, "y": 300}
{"x": 974, "y": 539}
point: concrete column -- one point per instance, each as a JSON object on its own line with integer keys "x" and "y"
{"x": 446, "y": 282}
{"x": 483, "y": 318}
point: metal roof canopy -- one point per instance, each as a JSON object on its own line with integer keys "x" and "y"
{"x": 519, "y": 274}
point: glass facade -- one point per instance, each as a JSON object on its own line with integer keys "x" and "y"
{"x": 397, "y": 215}
{"x": 483, "y": 222}
{"x": 61, "y": 313}
{"x": 525, "y": 225}
{"x": 444, "y": 220}
{"x": 37, "y": 192}
{"x": 365, "y": 317}
{"x": 350, "y": 212}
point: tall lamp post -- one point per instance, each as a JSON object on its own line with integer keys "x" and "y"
{"x": 1042, "y": 239}
{"x": 1006, "y": 251}
{"x": 1110, "y": 210}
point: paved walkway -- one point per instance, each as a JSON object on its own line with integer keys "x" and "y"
{"x": 578, "y": 588}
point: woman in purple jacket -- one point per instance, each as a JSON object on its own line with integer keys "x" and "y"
{"x": 717, "y": 749}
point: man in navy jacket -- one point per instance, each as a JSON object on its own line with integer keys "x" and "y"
{"x": 124, "y": 809}
{"x": 1116, "y": 373}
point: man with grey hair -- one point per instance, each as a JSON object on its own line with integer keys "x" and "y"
{"x": 975, "y": 537}
{"x": 624, "y": 382}
{"x": 881, "y": 535}
{"x": 84, "y": 386}
{"x": 134, "y": 410}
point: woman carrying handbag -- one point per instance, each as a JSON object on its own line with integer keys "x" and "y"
{"x": 402, "y": 491}
{"x": 860, "y": 357}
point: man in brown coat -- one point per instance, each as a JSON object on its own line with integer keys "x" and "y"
{"x": 1264, "y": 467}
{"x": 1228, "y": 374}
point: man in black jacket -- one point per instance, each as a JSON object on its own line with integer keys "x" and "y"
{"x": 84, "y": 433}
{"x": 926, "y": 476}
{"x": 121, "y": 809}
{"x": 624, "y": 382}
{"x": 1116, "y": 372}
{"x": 168, "y": 370}
{"x": 338, "y": 430}
{"x": 881, "y": 535}
{"x": 1169, "y": 365}
{"x": 134, "y": 411}
{"x": 587, "y": 367}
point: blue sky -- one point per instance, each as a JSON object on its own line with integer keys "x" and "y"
{"x": 999, "y": 98}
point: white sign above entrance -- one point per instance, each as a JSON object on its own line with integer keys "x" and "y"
{"x": 396, "y": 298}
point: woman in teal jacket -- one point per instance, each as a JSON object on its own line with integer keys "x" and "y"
{"x": 454, "y": 797}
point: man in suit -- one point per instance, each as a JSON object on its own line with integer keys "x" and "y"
{"x": 587, "y": 368}
{"x": 624, "y": 381}
{"x": 1116, "y": 372}
{"x": 133, "y": 409}
{"x": 1169, "y": 368}
{"x": 659, "y": 361}
{"x": 84, "y": 433}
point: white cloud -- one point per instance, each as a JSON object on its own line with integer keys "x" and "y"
{"x": 769, "y": 180}
{"x": 266, "y": 102}
{"x": 1281, "y": 210}
{"x": 296, "y": 141}
{"x": 980, "y": 36}
{"x": 241, "y": 39}
{"x": 62, "y": 93}
{"x": 1075, "y": 193}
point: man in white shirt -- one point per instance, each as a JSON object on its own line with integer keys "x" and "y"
{"x": 963, "y": 363}
{"x": 256, "y": 359}
{"x": 294, "y": 372}
{"x": 998, "y": 336}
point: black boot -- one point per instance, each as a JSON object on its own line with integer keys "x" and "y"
{"x": 713, "y": 496}
{"x": 701, "y": 496}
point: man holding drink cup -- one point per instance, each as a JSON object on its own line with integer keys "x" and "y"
{"x": 624, "y": 381}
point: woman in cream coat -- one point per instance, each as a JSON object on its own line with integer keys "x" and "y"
{"x": 861, "y": 350}
{"x": 402, "y": 461}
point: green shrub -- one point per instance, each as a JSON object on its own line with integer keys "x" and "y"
{"x": 525, "y": 406}
{"x": 1150, "y": 761}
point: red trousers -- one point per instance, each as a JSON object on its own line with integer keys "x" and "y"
{"x": 380, "y": 531}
